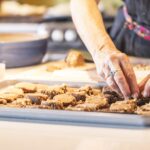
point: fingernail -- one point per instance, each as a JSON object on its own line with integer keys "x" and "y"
{"x": 135, "y": 95}
{"x": 146, "y": 94}
{"x": 127, "y": 97}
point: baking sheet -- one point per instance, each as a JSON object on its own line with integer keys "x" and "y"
{"x": 8, "y": 83}
{"x": 73, "y": 117}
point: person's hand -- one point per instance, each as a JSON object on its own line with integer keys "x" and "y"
{"x": 145, "y": 87}
{"x": 114, "y": 68}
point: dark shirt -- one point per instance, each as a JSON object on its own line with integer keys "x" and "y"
{"x": 140, "y": 11}
{"x": 126, "y": 40}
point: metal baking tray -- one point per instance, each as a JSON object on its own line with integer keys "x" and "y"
{"x": 69, "y": 117}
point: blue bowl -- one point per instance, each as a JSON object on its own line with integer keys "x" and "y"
{"x": 22, "y": 51}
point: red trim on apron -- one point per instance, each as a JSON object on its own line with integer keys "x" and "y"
{"x": 140, "y": 30}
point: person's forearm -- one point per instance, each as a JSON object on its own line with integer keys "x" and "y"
{"x": 112, "y": 66}
{"x": 90, "y": 26}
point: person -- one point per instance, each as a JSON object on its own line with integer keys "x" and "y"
{"x": 130, "y": 34}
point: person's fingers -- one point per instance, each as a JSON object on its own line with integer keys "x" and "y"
{"x": 112, "y": 84}
{"x": 146, "y": 92}
{"x": 100, "y": 72}
{"x": 129, "y": 75}
{"x": 143, "y": 82}
{"x": 109, "y": 79}
{"x": 119, "y": 77}
{"x": 102, "y": 76}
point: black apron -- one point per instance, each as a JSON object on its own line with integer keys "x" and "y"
{"x": 126, "y": 40}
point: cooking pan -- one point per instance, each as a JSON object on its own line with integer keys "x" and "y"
{"x": 22, "y": 49}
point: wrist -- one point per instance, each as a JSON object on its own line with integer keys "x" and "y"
{"x": 108, "y": 46}
{"x": 105, "y": 46}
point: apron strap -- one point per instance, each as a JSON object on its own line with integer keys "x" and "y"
{"x": 140, "y": 30}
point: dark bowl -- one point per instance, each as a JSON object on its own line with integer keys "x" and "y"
{"x": 22, "y": 49}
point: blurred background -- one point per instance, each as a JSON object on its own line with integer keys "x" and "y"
{"x": 109, "y": 5}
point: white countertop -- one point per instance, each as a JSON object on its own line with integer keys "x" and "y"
{"x": 29, "y": 136}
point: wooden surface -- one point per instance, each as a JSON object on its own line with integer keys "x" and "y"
{"x": 39, "y": 72}
{"x": 14, "y": 71}
{"x": 84, "y": 73}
